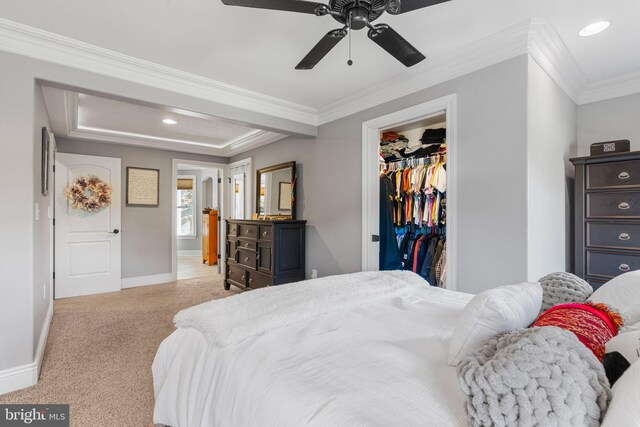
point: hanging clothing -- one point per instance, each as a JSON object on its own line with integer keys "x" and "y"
{"x": 390, "y": 258}
{"x": 413, "y": 209}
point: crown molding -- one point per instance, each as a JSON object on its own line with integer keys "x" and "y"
{"x": 611, "y": 88}
{"x": 551, "y": 53}
{"x": 40, "y": 44}
{"x": 484, "y": 53}
{"x": 535, "y": 37}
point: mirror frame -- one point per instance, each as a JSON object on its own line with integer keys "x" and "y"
{"x": 273, "y": 168}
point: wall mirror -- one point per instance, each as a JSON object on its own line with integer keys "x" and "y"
{"x": 275, "y": 191}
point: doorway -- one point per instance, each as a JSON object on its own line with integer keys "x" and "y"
{"x": 371, "y": 135}
{"x": 87, "y": 239}
{"x": 198, "y": 207}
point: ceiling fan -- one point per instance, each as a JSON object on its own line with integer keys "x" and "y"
{"x": 355, "y": 15}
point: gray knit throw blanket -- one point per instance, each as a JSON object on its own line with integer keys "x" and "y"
{"x": 534, "y": 377}
{"x": 563, "y": 288}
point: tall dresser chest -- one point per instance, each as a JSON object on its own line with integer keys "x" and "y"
{"x": 607, "y": 216}
{"x": 264, "y": 253}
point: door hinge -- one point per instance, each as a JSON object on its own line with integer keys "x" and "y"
{"x": 375, "y": 238}
{"x": 54, "y": 222}
{"x": 218, "y": 218}
{"x": 54, "y": 275}
{"x": 229, "y": 180}
{"x": 53, "y": 168}
{"x": 218, "y": 256}
{"x": 219, "y": 180}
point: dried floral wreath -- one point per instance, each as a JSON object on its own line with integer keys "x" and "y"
{"x": 89, "y": 193}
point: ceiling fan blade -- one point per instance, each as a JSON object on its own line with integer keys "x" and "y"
{"x": 388, "y": 39}
{"x": 396, "y": 7}
{"x": 328, "y": 42}
{"x": 287, "y": 5}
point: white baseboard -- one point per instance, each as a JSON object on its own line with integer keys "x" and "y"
{"x": 155, "y": 279}
{"x": 27, "y": 375}
{"x": 42, "y": 342}
{"x": 190, "y": 253}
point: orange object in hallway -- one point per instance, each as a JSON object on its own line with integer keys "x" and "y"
{"x": 210, "y": 238}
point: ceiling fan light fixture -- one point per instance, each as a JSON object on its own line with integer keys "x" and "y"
{"x": 595, "y": 28}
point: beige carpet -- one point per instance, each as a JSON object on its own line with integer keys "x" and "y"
{"x": 100, "y": 349}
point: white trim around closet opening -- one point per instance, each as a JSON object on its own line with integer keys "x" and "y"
{"x": 371, "y": 185}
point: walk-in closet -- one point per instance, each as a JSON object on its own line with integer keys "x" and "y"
{"x": 413, "y": 199}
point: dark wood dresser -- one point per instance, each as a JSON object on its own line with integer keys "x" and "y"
{"x": 264, "y": 253}
{"x": 607, "y": 216}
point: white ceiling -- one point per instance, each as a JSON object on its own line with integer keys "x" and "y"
{"x": 258, "y": 49}
{"x": 83, "y": 116}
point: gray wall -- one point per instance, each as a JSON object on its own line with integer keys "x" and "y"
{"x": 552, "y": 140}
{"x": 146, "y": 232}
{"x": 492, "y": 200}
{"x": 18, "y": 253}
{"x": 194, "y": 244}
{"x": 42, "y": 239}
{"x": 609, "y": 120}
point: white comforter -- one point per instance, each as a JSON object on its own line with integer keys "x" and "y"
{"x": 382, "y": 363}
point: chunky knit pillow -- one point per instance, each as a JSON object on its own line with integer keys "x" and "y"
{"x": 593, "y": 324}
{"x": 563, "y": 288}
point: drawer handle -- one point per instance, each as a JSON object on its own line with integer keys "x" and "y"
{"x": 624, "y": 236}
{"x": 624, "y": 206}
{"x": 242, "y": 278}
{"x": 624, "y": 267}
{"x": 246, "y": 259}
{"x": 250, "y": 280}
{"x": 246, "y": 245}
{"x": 624, "y": 175}
{"x": 264, "y": 233}
{"x": 246, "y": 231}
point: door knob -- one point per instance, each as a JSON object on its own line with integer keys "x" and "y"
{"x": 115, "y": 231}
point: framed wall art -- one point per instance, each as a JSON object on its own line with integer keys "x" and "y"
{"x": 143, "y": 187}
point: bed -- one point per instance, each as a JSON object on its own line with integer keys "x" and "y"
{"x": 361, "y": 360}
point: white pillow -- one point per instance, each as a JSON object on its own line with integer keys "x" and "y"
{"x": 624, "y": 409}
{"x": 621, "y": 293}
{"x": 493, "y": 312}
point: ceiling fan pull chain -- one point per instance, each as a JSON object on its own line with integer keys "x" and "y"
{"x": 349, "y": 62}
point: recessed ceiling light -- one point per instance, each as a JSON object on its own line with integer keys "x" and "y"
{"x": 595, "y": 28}
{"x": 169, "y": 122}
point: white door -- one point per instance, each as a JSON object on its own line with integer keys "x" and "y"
{"x": 87, "y": 255}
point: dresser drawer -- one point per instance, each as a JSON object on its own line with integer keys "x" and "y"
{"x": 250, "y": 245}
{"x": 614, "y": 174}
{"x": 232, "y": 250}
{"x": 624, "y": 236}
{"x": 259, "y": 280}
{"x": 265, "y": 255}
{"x": 265, "y": 232}
{"x": 248, "y": 231}
{"x": 232, "y": 229}
{"x": 615, "y": 204}
{"x": 247, "y": 258}
{"x": 602, "y": 264}
{"x": 237, "y": 275}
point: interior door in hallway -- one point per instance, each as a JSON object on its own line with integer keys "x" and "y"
{"x": 88, "y": 244}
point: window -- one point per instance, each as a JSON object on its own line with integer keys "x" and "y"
{"x": 186, "y": 206}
